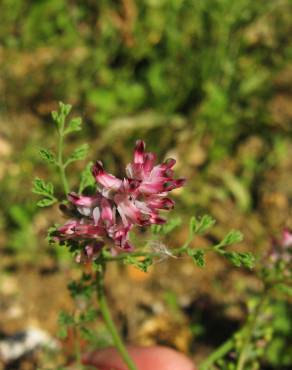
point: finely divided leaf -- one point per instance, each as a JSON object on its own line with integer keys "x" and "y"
{"x": 46, "y": 202}
{"x": 41, "y": 187}
{"x": 168, "y": 227}
{"x": 64, "y": 108}
{"x": 142, "y": 265}
{"x": 239, "y": 259}
{"x": 200, "y": 226}
{"x": 78, "y": 154}
{"x": 198, "y": 256}
{"x": 74, "y": 125}
{"x": 234, "y": 236}
{"x": 47, "y": 155}
{"x": 86, "y": 178}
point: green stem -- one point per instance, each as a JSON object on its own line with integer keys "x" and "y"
{"x": 104, "y": 309}
{"x": 216, "y": 355}
{"x": 122, "y": 256}
{"x": 60, "y": 163}
{"x": 249, "y": 331}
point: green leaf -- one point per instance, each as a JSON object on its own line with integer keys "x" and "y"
{"x": 55, "y": 115}
{"x": 47, "y": 155}
{"x": 46, "y": 202}
{"x": 239, "y": 259}
{"x": 142, "y": 265}
{"x": 64, "y": 109}
{"x": 87, "y": 178}
{"x": 65, "y": 319}
{"x": 74, "y": 125}
{"x": 88, "y": 316}
{"x": 41, "y": 187}
{"x": 200, "y": 226}
{"x": 60, "y": 116}
{"x": 198, "y": 256}
{"x": 79, "y": 154}
{"x": 234, "y": 236}
{"x": 88, "y": 334}
{"x": 168, "y": 227}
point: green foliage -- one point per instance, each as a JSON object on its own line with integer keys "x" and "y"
{"x": 60, "y": 116}
{"x": 200, "y": 226}
{"x": 112, "y": 62}
{"x": 166, "y": 228}
{"x": 74, "y": 125}
{"x": 82, "y": 288}
{"x": 40, "y": 187}
{"x": 234, "y": 236}
{"x": 65, "y": 321}
{"x": 86, "y": 178}
{"x": 48, "y": 156}
{"x": 144, "y": 58}
{"x": 198, "y": 256}
{"x": 79, "y": 154}
{"x": 239, "y": 259}
{"x": 142, "y": 265}
{"x": 22, "y": 236}
{"x": 277, "y": 354}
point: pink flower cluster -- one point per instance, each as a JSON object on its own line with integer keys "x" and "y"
{"x": 107, "y": 217}
{"x": 282, "y": 250}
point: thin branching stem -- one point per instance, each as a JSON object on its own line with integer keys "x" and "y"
{"x": 219, "y": 353}
{"x": 248, "y": 331}
{"x": 105, "y": 312}
{"x": 60, "y": 164}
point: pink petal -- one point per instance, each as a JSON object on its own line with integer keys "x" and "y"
{"x": 127, "y": 209}
{"x": 106, "y": 211}
{"x": 160, "y": 203}
{"x": 96, "y": 215}
{"x": 156, "y": 219}
{"x": 149, "y": 160}
{"x": 83, "y": 200}
{"x": 286, "y": 238}
{"x": 139, "y": 151}
{"x": 105, "y": 179}
{"x": 174, "y": 184}
{"x": 152, "y": 187}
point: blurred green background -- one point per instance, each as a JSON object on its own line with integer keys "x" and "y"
{"x": 208, "y": 82}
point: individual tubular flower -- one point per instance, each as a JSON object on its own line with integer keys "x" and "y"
{"x": 118, "y": 205}
{"x": 286, "y": 241}
{"x": 282, "y": 250}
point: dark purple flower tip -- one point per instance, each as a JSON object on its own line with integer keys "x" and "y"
{"x": 170, "y": 162}
{"x": 167, "y": 203}
{"x": 131, "y": 184}
{"x": 156, "y": 219}
{"x": 73, "y": 197}
{"x": 139, "y": 152}
{"x": 170, "y": 185}
{"x": 140, "y": 146}
{"x": 97, "y": 168}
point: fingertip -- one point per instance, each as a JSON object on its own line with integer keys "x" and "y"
{"x": 150, "y": 358}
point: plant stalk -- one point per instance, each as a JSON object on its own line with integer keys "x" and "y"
{"x": 249, "y": 331}
{"x": 217, "y": 354}
{"x": 60, "y": 163}
{"x": 104, "y": 309}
